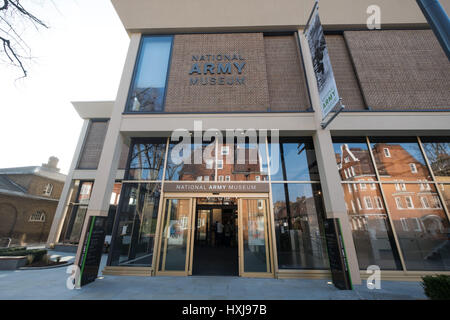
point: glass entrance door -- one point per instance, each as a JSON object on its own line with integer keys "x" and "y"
{"x": 254, "y": 243}
{"x": 175, "y": 244}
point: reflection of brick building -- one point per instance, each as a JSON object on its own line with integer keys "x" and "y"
{"x": 233, "y": 164}
{"x": 395, "y": 164}
{"x": 28, "y": 200}
{"x": 414, "y": 206}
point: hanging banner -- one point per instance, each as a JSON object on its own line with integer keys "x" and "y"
{"x": 328, "y": 93}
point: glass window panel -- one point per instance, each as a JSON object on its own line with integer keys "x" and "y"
{"x": 147, "y": 160}
{"x": 298, "y": 226}
{"x": 243, "y": 161}
{"x": 423, "y": 232}
{"x": 136, "y": 225}
{"x": 85, "y": 192}
{"x": 192, "y": 165}
{"x": 76, "y": 225}
{"x": 353, "y": 159}
{"x": 148, "y": 88}
{"x": 254, "y": 226}
{"x": 406, "y": 161}
{"x": 175, "y": 235}
{"x": 445, "y": 191}
{"x": 371, "y": 233}
{"x": 437, "y": 151}
{"x": 293, "y": 159}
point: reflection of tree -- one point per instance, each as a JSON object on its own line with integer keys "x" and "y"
{"x": 439, "y": 156}
{"x": 148, "y": 99}
{"x": 144, "y": 220}
{"x": 149, "y": 156}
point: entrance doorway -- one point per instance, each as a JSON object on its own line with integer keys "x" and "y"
{"x": 190, "y": 241}
{"x": 216, "y": 237}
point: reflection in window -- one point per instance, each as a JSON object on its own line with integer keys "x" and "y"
{"x": 175, "y": 235}
{"x": 423, "y": 234}
{"x": 147, "y": 160}
{"x": 149, "y": 83}
{"x": 373, "y": 242}
{"x": 136, "y": 225}
{"x": 192, "y": 163}
{"x": 244, "y": 161}
{"x": 293, "y": 159}
{"x": 85, "y": 192}
{"x": 445, "y": 191}
{"x": 298, "y": 226}
{"x": 359, "y": 162}
{"x": 438, "y": 154}
{"x": 406, "y": 160}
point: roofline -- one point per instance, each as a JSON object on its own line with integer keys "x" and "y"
{"x": 93, "y": 109}
{"x": 25, "y": 195}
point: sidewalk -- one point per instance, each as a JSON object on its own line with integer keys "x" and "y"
{"x": 51, "y": 284}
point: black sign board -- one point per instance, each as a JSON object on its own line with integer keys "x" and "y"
{"x": 93, "y": 244}
{"x": 337, "y": 255}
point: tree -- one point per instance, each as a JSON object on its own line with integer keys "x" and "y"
{"x": 14, "y": 20}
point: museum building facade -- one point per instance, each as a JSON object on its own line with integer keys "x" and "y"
{"x": 213, "y": 160}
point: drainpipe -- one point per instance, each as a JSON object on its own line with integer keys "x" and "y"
{"x": 438, "y": 20}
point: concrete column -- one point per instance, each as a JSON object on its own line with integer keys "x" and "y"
{"x": 66, "y": 194}
{"x": 333, "y": 195}
{"x": 110, "y": 156}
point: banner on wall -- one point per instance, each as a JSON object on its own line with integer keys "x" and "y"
{"x": 326, "y": 83}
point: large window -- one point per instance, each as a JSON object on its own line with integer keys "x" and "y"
{"x": 297, "y": 204}
{"x": 293, "y": 159}
{"x": 298, "y": 226}
{"x": 135, "y": 225}
{"x": 147, "y": 160}
{"x": 295, "y": 187}
{"x": 148, "y": 87}
{"x": 406, "y": 180}
{"x": 196, "y": 162}
{"x": 76, "y": 219}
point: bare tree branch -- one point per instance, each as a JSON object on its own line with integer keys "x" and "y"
{"x": 14, "y": 18}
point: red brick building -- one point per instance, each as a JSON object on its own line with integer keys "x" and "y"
{"x": 28, "y": 200}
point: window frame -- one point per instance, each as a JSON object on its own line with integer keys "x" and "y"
{"x": 135, "y": 70}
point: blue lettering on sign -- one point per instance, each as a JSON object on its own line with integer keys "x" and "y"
{"x": 235, "y": 65}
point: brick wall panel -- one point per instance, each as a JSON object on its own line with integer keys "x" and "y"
{"x": 285, "y": 75}
{"x": 184, "y": 97}
{"x": 401, "y": 69}
{"x": 344, "y": 74}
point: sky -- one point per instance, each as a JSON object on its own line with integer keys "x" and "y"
{"x": 79, "y": 58}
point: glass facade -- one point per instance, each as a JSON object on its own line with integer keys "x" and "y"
{"x": 293, "y": 159}
{"x": 135, "y": 225}
{"x": 77, "y": 216}
{"x": 401, "y": 197}
{"x": 299, "y": 236}
{"x": 298, "y": 226}
{"x": 194, "y": 162}
{"x": 147, "y": 92}
{"x": 396, "y": 192}
{"x": 147, "y": 160}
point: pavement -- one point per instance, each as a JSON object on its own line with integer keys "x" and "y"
{"x": 50, "y": 284}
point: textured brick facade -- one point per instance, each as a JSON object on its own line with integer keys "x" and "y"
{"x": 253, "y": 95}
{"x": 285, "y": 74}
{"x": 344, "y": 74}
{"x": 93, "y": 145}
{"x": 15, "y": 219}
{"x": 16, "y": 210}
{"x": 401, "y": 69}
